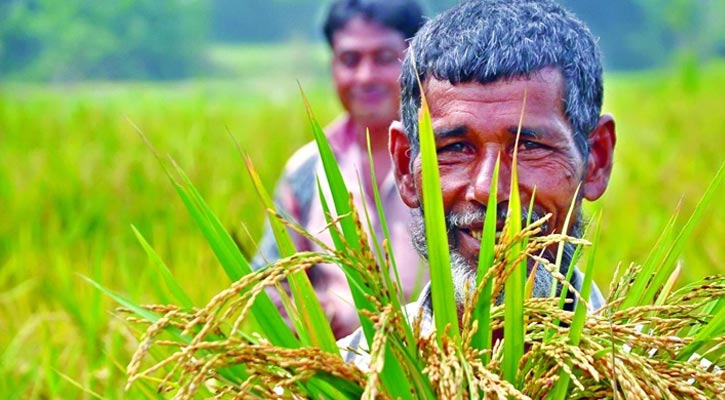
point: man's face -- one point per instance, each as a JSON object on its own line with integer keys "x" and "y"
{"x": 366, "y": 67}
{"x": 473, "y": 125}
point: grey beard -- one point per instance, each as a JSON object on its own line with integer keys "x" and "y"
{"x": 464, "y": 274}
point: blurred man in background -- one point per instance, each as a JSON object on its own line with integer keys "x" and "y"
{"x": 368, "y": 39}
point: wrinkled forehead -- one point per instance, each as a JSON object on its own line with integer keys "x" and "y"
{"x": 543, "y": 85}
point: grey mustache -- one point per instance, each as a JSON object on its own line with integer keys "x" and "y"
{"x": 478, "y": 215}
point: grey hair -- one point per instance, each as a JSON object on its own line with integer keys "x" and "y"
{"x": 487, "y": 40}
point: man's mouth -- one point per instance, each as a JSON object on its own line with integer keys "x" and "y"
{"x": 466, "y": 228}
{"x": 478, "y": 234}
{"x": 370, "y": 94}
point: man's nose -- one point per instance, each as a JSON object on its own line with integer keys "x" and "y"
{"x": 479, "y": 189}
{"x": 365, "y": 71}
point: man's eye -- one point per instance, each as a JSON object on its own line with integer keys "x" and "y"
{"x": 531, "y": 145}
{"x": 457, "y": 147}
{"x": 349, "y": 60}
{"x": 386, "y": 57}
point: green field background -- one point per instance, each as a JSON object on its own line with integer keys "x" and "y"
{"x": 75, "y": 176}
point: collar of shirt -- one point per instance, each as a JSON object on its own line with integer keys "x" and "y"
{"x": 354, "y": 348}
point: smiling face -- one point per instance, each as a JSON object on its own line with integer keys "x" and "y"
{"x": 473, "y": 125}
{"x": 366, "y": 67}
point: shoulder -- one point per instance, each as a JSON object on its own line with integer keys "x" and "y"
{"x": 302, "y": 158}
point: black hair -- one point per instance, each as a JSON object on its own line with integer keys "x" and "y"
{"x": 488, "y": 40}
{"x": 404, "y": 16}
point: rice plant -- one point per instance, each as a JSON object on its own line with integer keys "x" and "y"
{"x": 648, "y": 341}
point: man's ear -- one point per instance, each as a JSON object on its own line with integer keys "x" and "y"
{"x": 399, "y": 147}
{"x": 601, "y": 151}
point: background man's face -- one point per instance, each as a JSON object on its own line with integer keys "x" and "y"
{"x": 474, "y": 124}
{"x": 366, "y": 67}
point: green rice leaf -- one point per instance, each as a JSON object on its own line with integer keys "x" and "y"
{"x": 577, "y": 326}
{"x": 397, "y": 301}
{"x": 396, "y": 297}
{"x": 413, "y": 367}
{"x": 226, "y": 251}
{"x": 441, "y": 280}
{"x": 669, "y": 262}
{"x": 530, "y": 281}
{"x": 560, "y": 250}
{"x": 340, "y": 198}
{"x": 284, "y": 241}
{"x": 78, "y": 385}
{"x": 405, "y": 357}
{"x": 140, "y": 311}
{"x": 410, "y": 366}
{"x": 662, "y": 261}
{"x": 326, "y": 386}
{"x": 633, "y": 296}
{"x": 233, "y": 262}
{"x": 482, "y": 313}
{"x": 234, "y": 374}
{"x": 559, "y": 256}
{"x": 392, "y": 376}
{"x": 168, "y": 278}
{"x": 667, "y": 288}
{"x": 714, "y": 329}
{"x": 379, "y": 257}
{"x": 336, "y": 182}
{"x": 715, "y": 307}
{"x": 514, "y": 328}
{"x": 468, "y": 373}
{"x": 313, "y": 328}
{"x": 334, "y": 233}
{"x": 223, "y": 245}
{"x": 236, "y": 266}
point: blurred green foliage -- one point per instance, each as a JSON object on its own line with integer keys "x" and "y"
{"x": 679, "y": 30}
{"x": 236, "y": 21}
{"x": 165, "y": 39}
{"x": 81, "y": 39}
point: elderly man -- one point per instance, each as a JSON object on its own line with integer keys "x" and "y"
{"x": 368, "y": 42}
{"x": 477, "y": 62}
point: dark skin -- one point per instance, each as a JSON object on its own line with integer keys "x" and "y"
{"x": 474, "y": 123}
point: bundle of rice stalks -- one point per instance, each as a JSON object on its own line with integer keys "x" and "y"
{"x": 647, "y": 341}
{"x": 641, "y": 352}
